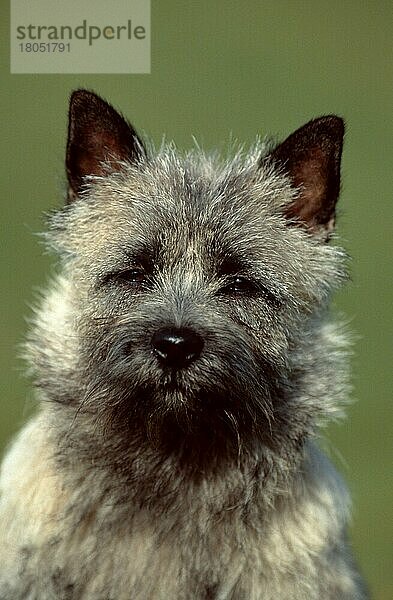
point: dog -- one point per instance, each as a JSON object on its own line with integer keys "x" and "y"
{"x": 184, "y": 359}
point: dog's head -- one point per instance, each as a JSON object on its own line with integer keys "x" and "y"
{"x": 194, "y": 287}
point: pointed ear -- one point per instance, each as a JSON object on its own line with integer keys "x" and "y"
{"x": 96, "y": 134}
{"x": 311, "y": 157}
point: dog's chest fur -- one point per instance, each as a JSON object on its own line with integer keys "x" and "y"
{"x": 120, "y": 551}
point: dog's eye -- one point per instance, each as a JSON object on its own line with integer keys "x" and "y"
{"x": 131, "y": 276}
{"x": 239, "y": 285}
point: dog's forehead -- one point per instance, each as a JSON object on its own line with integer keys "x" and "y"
{"x": 190, "y": 228}
{"x": 200, "y": 206}
{"x": 175, "y": 210}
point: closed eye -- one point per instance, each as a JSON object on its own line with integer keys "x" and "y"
{"x": 239, "y": 286}
{"x": 132, "y": 277}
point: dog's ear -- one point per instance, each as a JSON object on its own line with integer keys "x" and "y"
{"x": 311, "y": 157}
{"x": 98, "y": 139}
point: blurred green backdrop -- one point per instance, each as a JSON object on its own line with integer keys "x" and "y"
{"x": 241, "y": 68}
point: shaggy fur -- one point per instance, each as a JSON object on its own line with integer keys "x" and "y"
{"x": 143, "y": 479}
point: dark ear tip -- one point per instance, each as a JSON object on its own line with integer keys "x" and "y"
{"x": 81, "y": 99}
{"x": 80, "y": 95}
{"x": 325, "y": 132}
{"x": 330, "y": 125}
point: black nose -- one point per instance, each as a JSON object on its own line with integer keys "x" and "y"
{"x": 176, "y": 347}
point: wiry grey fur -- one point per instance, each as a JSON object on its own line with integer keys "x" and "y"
{"x": 135, "y": 482}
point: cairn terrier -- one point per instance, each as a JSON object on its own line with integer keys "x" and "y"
{"x": 184, "y": 360}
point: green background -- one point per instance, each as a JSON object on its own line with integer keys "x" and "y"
{"x": 240, "y": 68}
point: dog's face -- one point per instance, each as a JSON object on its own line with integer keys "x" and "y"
{"x": 196, "y": 284}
